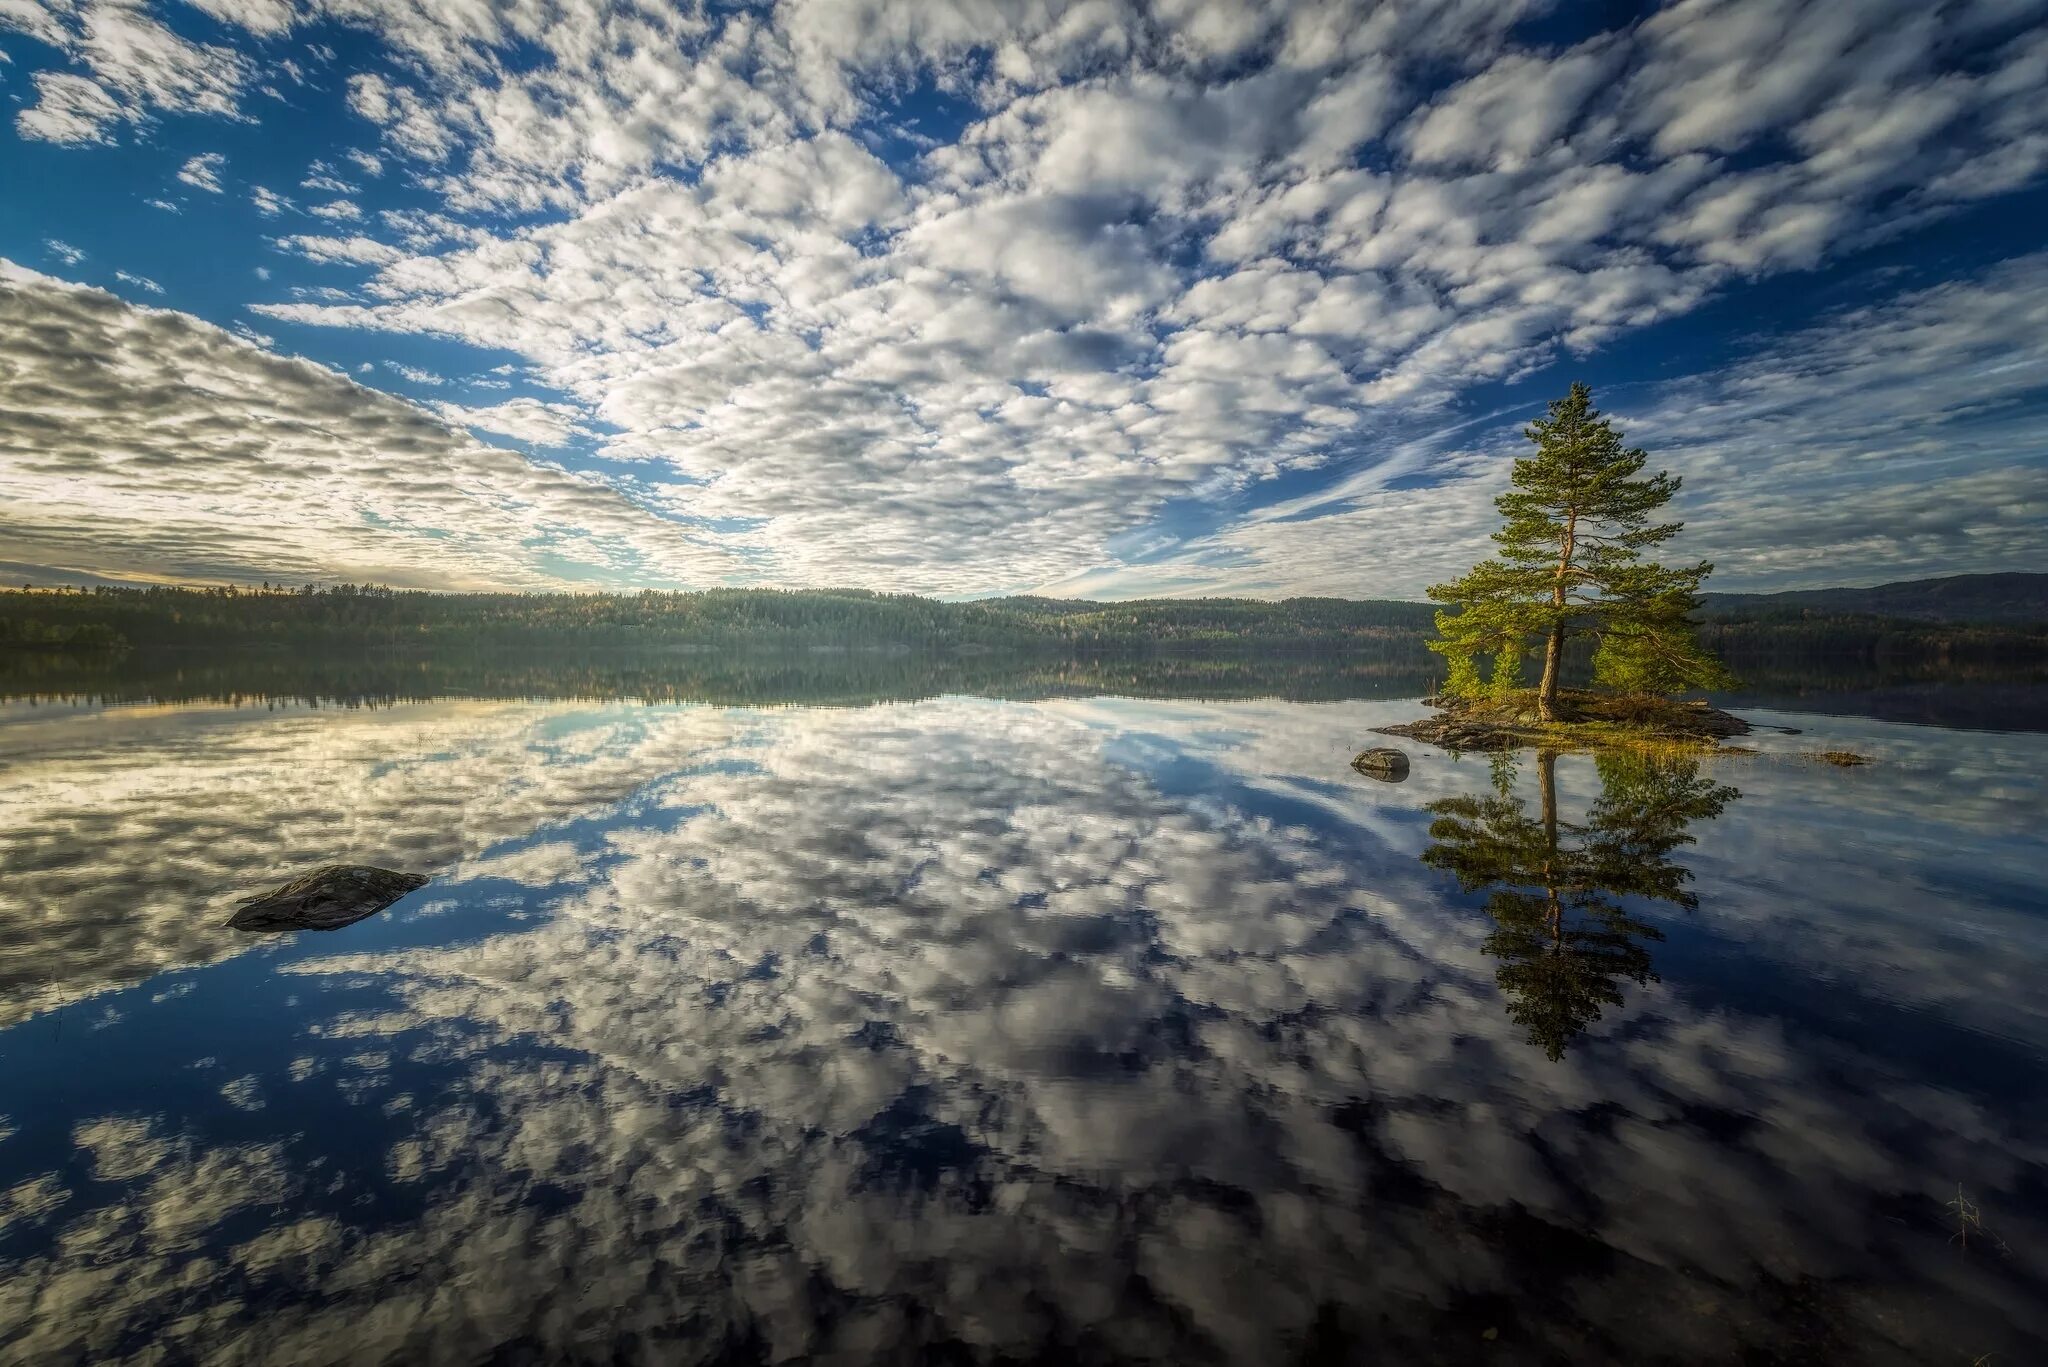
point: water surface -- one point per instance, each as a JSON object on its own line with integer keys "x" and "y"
{"x": 1078, "y": 1029}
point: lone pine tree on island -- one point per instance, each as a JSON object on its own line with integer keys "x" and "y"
{"x": 1578, "y": 521}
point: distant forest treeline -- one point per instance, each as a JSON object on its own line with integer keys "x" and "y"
{"x": 1929, "y": 690}
{"x": 155, "y": 621}
{"x": 359, "y": 615}
{"x": 819, "y": 676}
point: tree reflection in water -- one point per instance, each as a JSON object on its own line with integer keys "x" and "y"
{"x": 1563, "y": 933}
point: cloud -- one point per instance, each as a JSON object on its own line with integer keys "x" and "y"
{"x": 1894, "y": 435}
{"x": 1135, "y": 260}
{"x": 68, "y": 109}
{"x": 267, "y": 18}
{"x": 138, "y": 67}
{"x": 268, "y": 202}
{"x": 63, "y": 251}
{"x": 357, "y": 250}
{"x": 204, "y": 171}
{"x": 186, "y": 452}
{"x": 1898, "y": 434}
{"x": 141, "y": 282}
{"x": 531, "y": 420}
{"x": 321, "y": 178}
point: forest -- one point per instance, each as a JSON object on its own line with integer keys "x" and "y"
{"x": 359, "y": 615}
{"x": 173, "y": 622}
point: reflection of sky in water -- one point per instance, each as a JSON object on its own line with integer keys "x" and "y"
{"x": 1085, "y": 1029}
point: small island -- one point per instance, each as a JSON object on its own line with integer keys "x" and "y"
{"x": 1578, "y": 521}
{"x": 1583, "y": 719}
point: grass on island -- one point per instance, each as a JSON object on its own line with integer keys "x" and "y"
{"x": 1645, "y": 723}
{"x": 1589, "y": 720}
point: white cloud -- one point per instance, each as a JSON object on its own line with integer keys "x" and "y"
{"x": 1519, "y": 107}
{"x": 268, "y": 203}
{"x": 1161, "y": 254}
{"x": 531, "y": 420}
{"x": 204, "y": 171}
{"x": 358, "y": 250}
{"x": 145, "y": 437}
{"x": 68, "y": 109}
{"x": 138, "y": 68}
{"x": 268, "y": 18}
{"x": 1893, "y": 436}
{"x": 63, "y": 251}
{"x": 141, "y": 282}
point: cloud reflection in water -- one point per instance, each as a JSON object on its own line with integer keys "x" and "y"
{"x": 1086, "y": 1031}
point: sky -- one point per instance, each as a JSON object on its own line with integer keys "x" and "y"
{"x": 969, "y": 297}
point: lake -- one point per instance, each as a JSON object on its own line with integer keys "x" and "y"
{"x": 1058, "y": 1027}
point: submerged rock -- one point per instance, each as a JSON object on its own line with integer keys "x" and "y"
{"x": 328, "y": 898}
{"x": 1384, "y": 763}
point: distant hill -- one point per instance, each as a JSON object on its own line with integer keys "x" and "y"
{"x": 2002, "y": 598}
{"x": 1975, "y": 616}
{"x": 367, "y": 616}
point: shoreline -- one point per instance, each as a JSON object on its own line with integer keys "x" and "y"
{"x": 1594, "y": 721}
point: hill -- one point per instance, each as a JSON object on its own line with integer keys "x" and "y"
{"x": 1995, "y": 598}
{"x": 1989, "y": 619}
{"x": 356, "y": 615}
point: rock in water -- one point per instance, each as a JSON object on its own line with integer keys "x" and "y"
{"x": 328, "y": 898}
{"x": 1384, "y": 763}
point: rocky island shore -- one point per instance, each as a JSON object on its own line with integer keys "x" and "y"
{"x": 1587, "y": 721}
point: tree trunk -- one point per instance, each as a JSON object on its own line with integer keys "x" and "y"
{"x": 1553, "y": 649}
{"x": 1553, "y": 665}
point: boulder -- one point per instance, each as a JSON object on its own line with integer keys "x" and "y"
{"x": 1384, "y": 763}
{"x": 328, "y": 898}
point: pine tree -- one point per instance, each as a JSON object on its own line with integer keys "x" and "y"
{"x": 1571, "y": 562}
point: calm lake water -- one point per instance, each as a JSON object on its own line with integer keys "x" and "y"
{"x": 1086, "y": 1029}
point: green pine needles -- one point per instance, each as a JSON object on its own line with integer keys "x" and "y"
{"x": 1571, "y": 563}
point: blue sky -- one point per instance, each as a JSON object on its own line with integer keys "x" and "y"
{"x": 966, "y": 297}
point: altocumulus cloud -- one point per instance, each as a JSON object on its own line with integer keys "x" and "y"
{"x": 146, "y": 438}
{"x": 958, "y": 296}
{"x": 1898, "y": 435}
